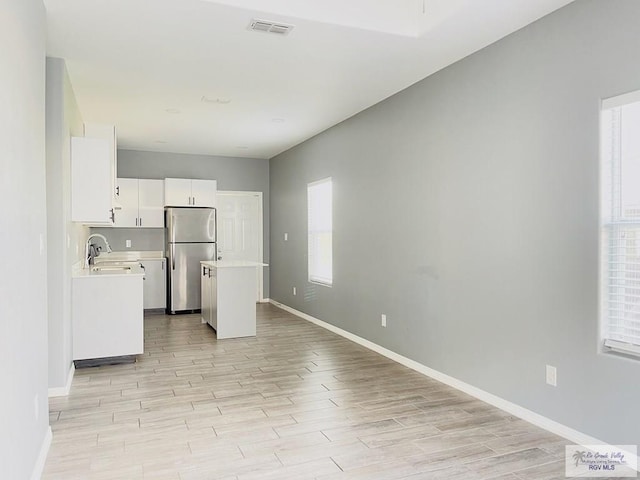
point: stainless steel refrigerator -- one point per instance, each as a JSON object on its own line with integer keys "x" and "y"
{"x": 190, "y": 238}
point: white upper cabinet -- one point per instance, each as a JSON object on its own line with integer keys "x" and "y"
{"x": 91, "y": 186}
{"x": 184, "y": 192}
{"x": 108, "y": 133}
{"x": 141, "y": 203}
{"x": 204, "y": 192}
{"x": 177, "y": 192}
{"x": 151, "y": 203}
{"x": 127, "y": 212}
{"x": 93, "y": 176}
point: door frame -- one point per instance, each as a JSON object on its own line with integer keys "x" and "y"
{"x": 247, "y": 193}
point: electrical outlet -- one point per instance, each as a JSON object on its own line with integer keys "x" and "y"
{"x": 552, "y": 376}
{"x": 286, "y": 237}
{"x": 36, "y": 407}
{"x": 127, "y": 243}
{"x": 383, "y": 318}
{"x": 294, "y": 291}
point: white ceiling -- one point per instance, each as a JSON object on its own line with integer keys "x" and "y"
{"x": 145, "y": 65}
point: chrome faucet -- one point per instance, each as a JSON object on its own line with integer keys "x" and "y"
{"x": 88, "y": 259}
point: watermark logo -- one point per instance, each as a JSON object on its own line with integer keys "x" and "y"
{"x": 601, "y": 461}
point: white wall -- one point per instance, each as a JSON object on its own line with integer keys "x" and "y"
{"x": 23, "y": 306}
{"x": 65, "y": 239}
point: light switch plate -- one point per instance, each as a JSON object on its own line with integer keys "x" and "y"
{"x": 127, "y": 243}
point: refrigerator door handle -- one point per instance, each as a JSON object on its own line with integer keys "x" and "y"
{"x": 173, "y": 256}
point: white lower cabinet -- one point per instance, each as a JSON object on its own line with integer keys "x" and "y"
{"x": 107, "y": 316}
{"x": 155, "y": 278}
{"x": 229, "y": 299}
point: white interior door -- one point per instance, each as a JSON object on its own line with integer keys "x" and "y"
{"x": 240, "y": 229}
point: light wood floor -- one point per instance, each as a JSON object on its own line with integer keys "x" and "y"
{"x": 296, "y": 402}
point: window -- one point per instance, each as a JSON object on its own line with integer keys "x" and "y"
{"x": 319, "y": 204}
{"x": 620, "y": 224}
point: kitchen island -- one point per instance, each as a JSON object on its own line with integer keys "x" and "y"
{"x": 229, "y": 295}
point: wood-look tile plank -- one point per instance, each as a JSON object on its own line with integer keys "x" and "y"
{"x": 449, "y": 458}
{"x": 550, "y": 471}
{"x": 352, "y": 459}
{"x": 304, "y": 471}
{"x": 446, "y": 441}
{"x": 509, "y": 462}
{"x": 296, "y": 401}
{"x": 399, "y": 435}
{"x": 543, "y": 440}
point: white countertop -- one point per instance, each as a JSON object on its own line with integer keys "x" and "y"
{"x": 231, "y": 263}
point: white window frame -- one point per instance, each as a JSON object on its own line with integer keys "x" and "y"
{"x": 618, "y": 328}
{"x": 319, "y": 224}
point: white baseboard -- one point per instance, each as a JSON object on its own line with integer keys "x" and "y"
{"x": 514, "y": 409}
{"x": 265, "y": 300}
{"x": 38, "y": 468}
{"x": 63, "y": 391}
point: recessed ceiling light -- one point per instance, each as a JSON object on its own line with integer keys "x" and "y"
{"x": 172, "y": 110}
{"x": 278, "y": 120}
{"x": 220, "y": 101}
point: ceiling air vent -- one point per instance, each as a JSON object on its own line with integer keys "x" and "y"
{"x": 270, "y": 27}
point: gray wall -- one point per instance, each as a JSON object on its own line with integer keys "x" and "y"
{"x": 23, "y": 284}
{"x": 466, "y": 209}
{"x": 63, "y": 121}
{"x": 242, "y": 174}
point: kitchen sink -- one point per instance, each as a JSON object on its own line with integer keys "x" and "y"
{"x": 111, "y": 268}
{"x": 115, "y": 263}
